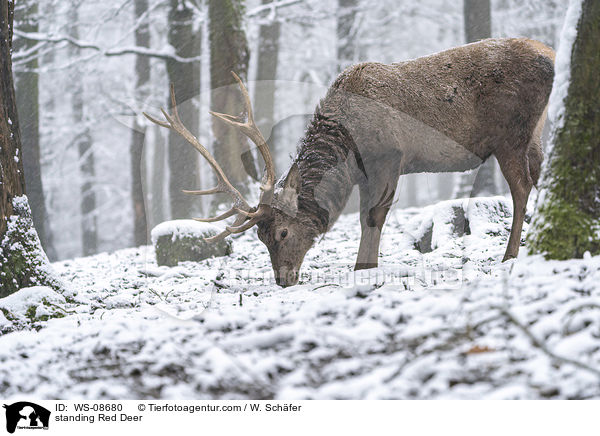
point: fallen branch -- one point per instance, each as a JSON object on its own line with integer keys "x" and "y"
{"x": 539, "y": 344}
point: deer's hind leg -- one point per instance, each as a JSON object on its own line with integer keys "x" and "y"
{"x": 376, "y": 197}
{"x": 517, "y": 170}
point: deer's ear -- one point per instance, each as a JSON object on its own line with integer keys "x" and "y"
{"x": 293, "y": 180}
{"x": 286, "y": 198}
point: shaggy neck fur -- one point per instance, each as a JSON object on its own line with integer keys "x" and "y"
{"x": 327, "y": 163}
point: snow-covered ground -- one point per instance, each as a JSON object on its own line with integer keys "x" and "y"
{"x": 451, "y": 323}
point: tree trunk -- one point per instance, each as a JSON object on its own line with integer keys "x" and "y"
{"x": 346, "y": 33}
{"x": 444, "y": 186}
{"x": 158, "y": 176}
{"x": 26, "y": 83}
{"x": 346, "y": 56}
{"x": 567, "y": 222}
{"x": 265, "y": 87}
{"x": 11, "y": 165}
{"x": 22, "y": 260}
{"x": 138, "y": 135}
{"x": 87, "y": 167}
{"x": 478, "y": 19}
{"x": 229, "y": 52}
{"x": 478, "y": 25}
{"x": 183, "y": 159}
{"x": 410, "y": 184}
{"x": 463, "y": 184}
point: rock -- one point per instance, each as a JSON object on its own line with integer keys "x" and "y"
{"x": 459, "y": 223}
{"x": 445, "y": 223}
{"x": 183, "y": 240}
{"x": 423, "y": 244}
{"x": 455, "y": 220}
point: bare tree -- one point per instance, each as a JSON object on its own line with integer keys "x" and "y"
{"x": 264, "y": 95}
{"x": 229, "y": 52}
{"x": 26, "y": 82}
{"x": 157, "y": 198}
{"x": 87, "y": 165}
{"x": 22, "y": 259}
{"x": 142, "y": 79}
{"x": 346, "y": 33}
{"x": 183, "y": 163}
{"x": 478, "y": 25}
{"x": 478, "y": 19}
{"x": 346, "y": 51}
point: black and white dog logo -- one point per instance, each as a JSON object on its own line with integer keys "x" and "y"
{"x": 26, "y": 415}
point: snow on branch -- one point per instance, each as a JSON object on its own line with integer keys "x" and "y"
{"x": 119, "y": 51}
{"x": 272, "y": 7}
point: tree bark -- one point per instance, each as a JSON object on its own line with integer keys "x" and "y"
{"x": 11, "y": 163}
{"x": 158, "y": 176}
{"x": 138, "y": 135}
{"x": 410, "y": 184}
{"x": 87, "y": 165}
{"x": 478, "y": 19}
{"x": 22, "y": 260}
{"x": 26, "y": 82}
{"x": 264, "y": 94}
{"x": 346, "y": 37}
{"x": 567, "y": 221}
{"x": 229, "y": 52}
{"x": 347, "y": 55}
{"x": 182, "y": 158}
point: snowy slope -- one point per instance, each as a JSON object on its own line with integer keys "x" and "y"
{"x": 452, "y": 323}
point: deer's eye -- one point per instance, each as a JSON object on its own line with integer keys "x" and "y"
{"x": 284, "y": 233}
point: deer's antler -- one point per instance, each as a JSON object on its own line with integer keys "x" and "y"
{"x": 240, "y": 205}
{"x": 251, "y": 130}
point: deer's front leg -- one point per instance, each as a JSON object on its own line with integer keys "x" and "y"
{"x": 375, "y": 203}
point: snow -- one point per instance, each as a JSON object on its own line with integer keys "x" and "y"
{"x": 23, "y": 299}
{"x": 181, "y": 228}
{"x": 454, "y": 323}
{"x": 562, "y": 67}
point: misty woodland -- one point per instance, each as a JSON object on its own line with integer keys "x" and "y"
{"x": 300, "y": 199}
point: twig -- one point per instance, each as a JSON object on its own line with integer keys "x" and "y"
{"x": 539, "y": 344}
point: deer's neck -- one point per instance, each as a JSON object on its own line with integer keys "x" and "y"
{"x": 327, "y": 165}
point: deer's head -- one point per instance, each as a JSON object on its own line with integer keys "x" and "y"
{"x": 280, "y": 227}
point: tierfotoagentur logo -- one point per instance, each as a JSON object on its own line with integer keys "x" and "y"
{"x": 26, "y": 415}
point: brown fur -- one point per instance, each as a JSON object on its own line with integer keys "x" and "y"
{"x": 444, "y": 112}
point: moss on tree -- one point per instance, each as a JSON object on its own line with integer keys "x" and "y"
{"x": 23, "y": 263}
{"x": 567, "y": 223}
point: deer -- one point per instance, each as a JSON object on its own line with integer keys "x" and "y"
{"x": 445, "y": 112}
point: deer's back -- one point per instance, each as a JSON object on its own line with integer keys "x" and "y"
{"x": 449, "y": 110}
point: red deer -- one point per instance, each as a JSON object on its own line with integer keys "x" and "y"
{"x": 449, "y": 111}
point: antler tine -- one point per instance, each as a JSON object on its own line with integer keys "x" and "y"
{"x": 250, "y": 129}
{"x": 238, "y": 222}
{"x": 243, "y": 227}
{"x": 223, "y": 216}
{"x": 203, "y": 192}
